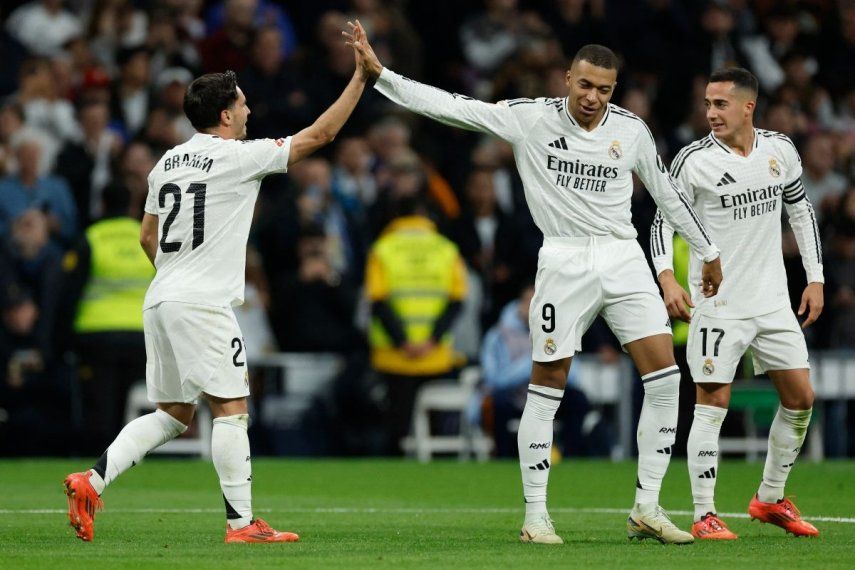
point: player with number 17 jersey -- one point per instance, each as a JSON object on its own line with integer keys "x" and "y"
{"x": 203, "y": 193}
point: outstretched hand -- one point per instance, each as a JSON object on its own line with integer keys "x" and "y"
{"x": 367, "y": 63}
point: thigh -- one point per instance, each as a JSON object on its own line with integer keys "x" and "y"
{"x": 632, "y": 306}
{"x": 716, "y": 346}
{"x": 567, "y": 298}
{"x": 163, "y": 381}
{"x": 780, "y": 343}
{"x": 209, "y": 351}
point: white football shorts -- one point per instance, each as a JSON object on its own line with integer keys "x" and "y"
{"x": 580, "y": 278}
{"x": 716, "y": 345}
{"x": 193, "y": 349}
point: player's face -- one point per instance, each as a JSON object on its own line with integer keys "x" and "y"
{"x": 728, "y": 109}
{"x": 590, "y": 89}
{"x": 239, "y": 115}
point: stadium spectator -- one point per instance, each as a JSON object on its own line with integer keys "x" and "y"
{"x": 43, "y": 105}
{"x": 131, "y": 99}
{"x": 43, "y": 26}
{"x": 282, "y": 104}
{"x": 109, "y": 273}
{"x": 134, "y": 166}
{"x": 841, "y": 274}
{"x": 506, "y": 372}
{"x": 415, "y": 281}
{"x": 30, "y": 189}
{"x": 228, "y": 47}
{"x": 86, "y": 163}
{"x": 823, "y": 185}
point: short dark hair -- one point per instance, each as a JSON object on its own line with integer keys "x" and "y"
{"x": 208, "y": 96}
{"x": 598, "y": 55}
{"x": 740, "y": 77}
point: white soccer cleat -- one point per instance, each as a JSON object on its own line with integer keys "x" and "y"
{"x": 651, "y": 521}
{"x": 539, "y": 530}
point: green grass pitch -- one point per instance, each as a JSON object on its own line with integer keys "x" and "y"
{"x": 400, "y": 514}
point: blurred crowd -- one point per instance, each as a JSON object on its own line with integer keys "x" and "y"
{"x": 91, "y": 96}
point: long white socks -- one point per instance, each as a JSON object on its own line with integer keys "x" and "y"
{"x": 702, "y": 452}
{"x": 230, "y": 453}
{"x": 132, "y": 444}
{"x": 786, "y": 437}
{"x": 657, "y": 431}
{"x": 534, "y": 441}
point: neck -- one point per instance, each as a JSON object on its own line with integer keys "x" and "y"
{"x": 741, "y": 141}
{"x": 29, "y": 178}
{"x": 220, "y": 131}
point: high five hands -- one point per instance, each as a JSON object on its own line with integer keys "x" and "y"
{"x": 366, "y": 60}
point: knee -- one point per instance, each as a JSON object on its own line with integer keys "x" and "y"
{"x": 802, "y": 400}
{"x": 550, "y": 374}
{"x": 664, "y": 390}
{"x": 716, "y": 395}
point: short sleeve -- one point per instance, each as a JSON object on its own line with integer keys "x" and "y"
{"x": 151, "y": 199}
{"x": 261, "y": 157}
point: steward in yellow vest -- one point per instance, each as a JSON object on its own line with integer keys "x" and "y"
{"x": 415, "y": 280}
{"x": 109, "y": 273}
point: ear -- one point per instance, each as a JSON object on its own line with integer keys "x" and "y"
{"x": 568, "y": 77}
{"x": 226, "y": 117}
{"x": 750, "y": 106}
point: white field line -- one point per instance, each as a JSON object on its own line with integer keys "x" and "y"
{"x": 406, "y": 511}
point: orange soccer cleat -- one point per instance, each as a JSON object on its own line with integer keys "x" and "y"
{"x": 259, "y": 531}
{"x": 783, "y": 514}
{"x": 83, "y": 501}
{"x": 710, "y": 527}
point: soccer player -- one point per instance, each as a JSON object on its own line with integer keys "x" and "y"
{"x": 576, "y": 156}
{"x": 738, "y": 177}
{"x": 195, "y": 229}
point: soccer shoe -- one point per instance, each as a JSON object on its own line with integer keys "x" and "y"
{"x": 783, "y": 514}
{"x": 654, "y": 523}
{"x": 539, "y": 530}
{"x": 83, "y": 501}
{"x": 258, "y": 531}
{"x": 710, "y": 527}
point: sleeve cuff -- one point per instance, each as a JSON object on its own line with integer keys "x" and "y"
{"x": 709, "y": 254}
{"x": 816, "y": 275}
{"x": 662, "y": 265}
{"x": 385, "y": 78}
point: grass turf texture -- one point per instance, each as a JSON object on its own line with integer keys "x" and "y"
{"x": 388, "y": 513}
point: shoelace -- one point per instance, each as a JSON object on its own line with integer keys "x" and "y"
{"x": 791, "y": 508}
{"x": 713, "y": 523}
{"x": 263, "y": 527}
{"x": 545, "y": 523}
{"x": 662, "y": 516}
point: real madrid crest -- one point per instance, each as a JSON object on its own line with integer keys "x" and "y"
{"x": 709, "y": 367}
{"x": 615, "y": 151}
{"x": 774, "y": 169}
{"x": 549, "y": 347}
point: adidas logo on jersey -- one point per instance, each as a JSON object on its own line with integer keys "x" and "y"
{"x": 726, "y": 179}
{"x": 708, "y": 474}
{"x": 560, "y": 143}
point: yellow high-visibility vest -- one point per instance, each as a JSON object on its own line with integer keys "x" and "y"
{"x": 119, "y": 275}
{"x": 418, "y": 272}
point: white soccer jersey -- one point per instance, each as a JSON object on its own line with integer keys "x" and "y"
{"x": 578, "y": 183}
{"x": 739, "y": 199}
{"x": 203, "y": 193}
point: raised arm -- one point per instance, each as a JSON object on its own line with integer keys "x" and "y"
{"x": 451, "y": 109}
{"x": 676, "y": 208}
{"x": 324, "y": 130}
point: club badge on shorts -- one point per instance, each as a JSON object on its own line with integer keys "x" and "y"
{"x": 774, "y": 169}
{"x": 615, "y": 151}
{"x": 709, "y": 367}
{"x": 549, "y": 347}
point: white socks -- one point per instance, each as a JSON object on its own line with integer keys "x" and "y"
{"x": 534, "y": 440}
{"x": 702, "y": 453}
{"x": 657, "y": 431}
{"x": 230, "y": 453}
{"x": 786, "y": 437}
{"x": 132, "y": 444}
